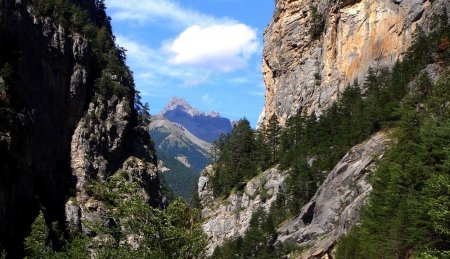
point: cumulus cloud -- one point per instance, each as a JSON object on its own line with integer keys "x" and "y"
{"x": 151, "y": 66}
{"x": 203, "y": 48}
{"x": 156, "y": 10}
{"x": 222, "y": 47}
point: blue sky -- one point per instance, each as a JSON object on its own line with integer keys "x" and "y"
{"x": 206, "y": 51}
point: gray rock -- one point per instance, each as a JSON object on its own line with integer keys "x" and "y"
{"x": 133, "y": 241}
{"x": 433, "y": 71}
{"x": 205, "y": 192}
{"x": 336, "y": 204}
{"x": 73, "y": 214}
{"x": 230, "y": 218}
{"x": 80, "y": 48}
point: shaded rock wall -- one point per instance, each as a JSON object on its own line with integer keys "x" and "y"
{"x": 55, "y": 149}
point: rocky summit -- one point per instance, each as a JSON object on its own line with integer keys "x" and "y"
{"x": 182, "y": 152}
{"x": 206, "y": 126}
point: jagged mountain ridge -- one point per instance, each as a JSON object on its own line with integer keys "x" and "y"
{"x": 73, "y": 122}
{"x": 183, "y": 153}
{"x": 206, "y": 126}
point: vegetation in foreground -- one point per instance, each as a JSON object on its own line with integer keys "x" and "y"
{"x": 137, "y": 230}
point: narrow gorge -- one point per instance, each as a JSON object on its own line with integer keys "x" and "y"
{"x": 349, "y": 158}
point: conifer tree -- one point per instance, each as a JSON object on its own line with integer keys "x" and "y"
{"x": 272, "y": 135}
{"x": 36, "y": 245}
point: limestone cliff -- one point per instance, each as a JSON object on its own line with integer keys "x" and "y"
{"x": 336, "y": 204}
{"x": 64, "y": 132}
{"x": 230, "y": 218}
{"x": 304, "y": 72}
{"x": 312, "y": 51}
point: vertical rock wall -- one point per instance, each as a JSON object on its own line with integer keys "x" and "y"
{"x": 64, "y": 135}
{"x": 306, "y": 75}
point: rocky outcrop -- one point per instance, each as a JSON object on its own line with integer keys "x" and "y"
{"x": 336, "y": 204}
{"x": 230, "y": 218}
{"x": 305, "y": 74}
{"x": 64, "y": 134}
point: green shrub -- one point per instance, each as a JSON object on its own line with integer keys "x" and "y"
{"x": 317, "y": 24}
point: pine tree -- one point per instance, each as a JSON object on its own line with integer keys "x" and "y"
{"x": 371, "y": 83}
{"x": 272, "y": 136}
{"x": 237, "y": 159}
{"x": 36, "y": 244}
{"x": 262, "y": 151}
{"x": 424, "y": 86}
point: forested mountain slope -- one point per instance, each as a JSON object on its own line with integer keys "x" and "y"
{"x": 181, "y": 155}
{"x": 343, "y": 75}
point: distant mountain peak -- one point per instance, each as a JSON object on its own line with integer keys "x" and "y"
{"x": 205, "y": 125}
{"x": 183, "y": 105}
{"x": 179, "y": 102}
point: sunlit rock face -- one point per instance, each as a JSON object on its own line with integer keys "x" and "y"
{"x": 225, "y": 219}
{"x": 305, "y": 74}
{"x": 335, "y": 207}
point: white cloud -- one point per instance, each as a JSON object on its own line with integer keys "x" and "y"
{"x": 156, "y": 10}
{"x": 151, "y": 66}
{"x": 207, "y": 99}
{"x": 207, "y": 42}
{"x": 222, "y": 47}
